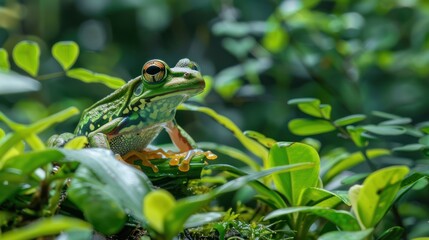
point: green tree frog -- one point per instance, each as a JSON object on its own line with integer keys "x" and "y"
{"x": 130, "y": 118}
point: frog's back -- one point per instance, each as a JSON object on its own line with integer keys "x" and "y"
{"x": 105, "y": 109}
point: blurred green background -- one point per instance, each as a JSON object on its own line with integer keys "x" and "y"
{"x": 358, "y": 56}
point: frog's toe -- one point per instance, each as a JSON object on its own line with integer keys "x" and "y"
{"x": 183, "y": 160}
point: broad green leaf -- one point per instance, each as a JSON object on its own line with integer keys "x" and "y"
{"x": 424, "y": 140}
{"x": 296, "y": 101}
{"x": 156, "y": 206}
{"x": 66, "y": 53}
{"x": 292, "y": 184}
{"x": 385, "y": 115}
{"x": 349, "y": 120}
{"x": 201, "y": 219}
{"x": 325, "y": 110}
{"x": 421, "y": 238}
{"x": 261, "y": 138}
{"x": 45, "y": 227}
{"x": 409, "y": 182}
{"x": 353, "y": 160}
{"x": 347, "y": 235}
{"x": 251, "y": 145}
{"x": 305, "y": 127}
{"x": 424, "y": 127}
{"x": 311, "y": 108}
{"x": 377, "y": 194}
{"x": 26, "y": 56}
{"x": 319, "y": 197}
{"x": 119, "y": 178}
{"x": 393, "y": 233}
{"x": 185, "y": 207}
{"x": 88, "y": 76}
{"x": 385, "y": 130}
{"x": 4, "y": 60}
{"x": 100, "y": 206}
{"x": 354, "y": 178}
{"x": 410, "y": 147}
{"x": 357, "y": 136}
{"x": 341, "y": 218}
{"x": 397, "y": 121}
{"x": 231, "y": 152}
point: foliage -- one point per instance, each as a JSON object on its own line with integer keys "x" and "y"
{"x": 350, "y": 161}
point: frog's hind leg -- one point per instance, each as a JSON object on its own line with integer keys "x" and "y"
{"x": 186, "y": 146}
{"x": 144, "y": 156}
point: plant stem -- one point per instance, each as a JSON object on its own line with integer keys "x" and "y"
{"x": 368, "y": 160}
{"x": 399, "y": 221}
{"x": 50, "y": 76}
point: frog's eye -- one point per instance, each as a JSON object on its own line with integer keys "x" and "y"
{"x": 154, "y": 71}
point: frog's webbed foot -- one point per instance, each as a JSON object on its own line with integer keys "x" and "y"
{"x": 144, "y": 156}
{"x": 180, "y": 159}
{"x": 183, "y": 159}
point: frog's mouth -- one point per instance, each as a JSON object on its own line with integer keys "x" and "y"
{"x": 185, "y": 91}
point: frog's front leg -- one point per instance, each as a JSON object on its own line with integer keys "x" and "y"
{"x": 186, "y": 146}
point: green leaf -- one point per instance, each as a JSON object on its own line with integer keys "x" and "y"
{"x": 117, "y": 177}
{"x": 200, "y": 219}
{"x": 88, "y": 76}
{"x": 347, "y": 235}
{"x": 100, "y": 206}
{"x": 46, "y": 227}
{"x": 341, "y": 218}
{"x": 397, "y": 121}
{"x": 187, "y": 206}
{"x": 352, "y": 160}
{"x": 311, "y": 108}
{"x": 291, "y": 184}
{"x": 261, "y": 138}
{"x": 354, "y": 178}
{"x": 156, "y": 206}
{"x": 4, "y": 60}
{"x": 320, "y": 197}
{"x": 385, "y": 115}
{"x": 275, "y": 39}
{"x": 377, "y": 195}
{"x": 325, "y": 110}
{"x": 357, "y": 136}
{"x": 349, "y": 120}
{"x": 393, "y": 233}
{"x": 66, "y": 53}
{"x": 385, "y": 130}
{"x": 305, "y": 127}
{"x": 424, "y": 140}
{"x": 26, "y": 56}
{"x": 410, "y": 147}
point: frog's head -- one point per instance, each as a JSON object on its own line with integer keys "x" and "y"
{"x": 159, "y": 81}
